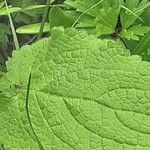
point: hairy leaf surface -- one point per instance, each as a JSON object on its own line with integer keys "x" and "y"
{"x": 85, "y": 94}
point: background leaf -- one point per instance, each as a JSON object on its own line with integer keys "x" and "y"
{"x": 33, "y": 28}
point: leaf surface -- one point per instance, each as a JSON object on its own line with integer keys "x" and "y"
{"x": 33, "y": 28}
{"x": 85, "y": 93}
{"x": 105, "y": 16}
{"x": 4, "y": 11}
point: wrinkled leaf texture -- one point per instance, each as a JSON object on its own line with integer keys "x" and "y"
{"x": 85, "y": 94}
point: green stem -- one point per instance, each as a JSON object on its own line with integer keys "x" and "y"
{"x": 44, "y": 19}
{"x": 86, "y": 12}
{"x": 28, "y": 115}
{"x": 13, "y": 29}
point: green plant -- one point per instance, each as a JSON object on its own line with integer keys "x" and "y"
{"x": 84, "y": 85}
{"x": 74, "y": 86}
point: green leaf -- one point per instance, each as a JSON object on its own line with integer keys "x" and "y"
{"x": 1, "y": 4}
{"x": 143, "y": 45}
{"x": 106, "y": 21}
{"x": 85, "y": 94}
{"x": 146, "y": 15}
{"x": 33, "y": 28}
{"x": 134, "y": 32}
{"x": 58, "y": 17}
{"x": 132, "y": 12}
{"x": 1, "y": 147}
{"x": 101, "y": 15}
{"x": 133, "y": 26}
{"x": 26, "y": 15}
{"x": 104, "y": 17}
{"x": 132, "y": 4}
{"x": 4, "y": 11}
{"x": 32, "y": 7}
{"x": 4, "y": 31}
{"x": 85, "y": 5}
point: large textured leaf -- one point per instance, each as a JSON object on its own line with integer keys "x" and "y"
{"x": 85, "y": 94}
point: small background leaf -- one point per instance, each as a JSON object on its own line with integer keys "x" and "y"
{"x": 33, "y": 28}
